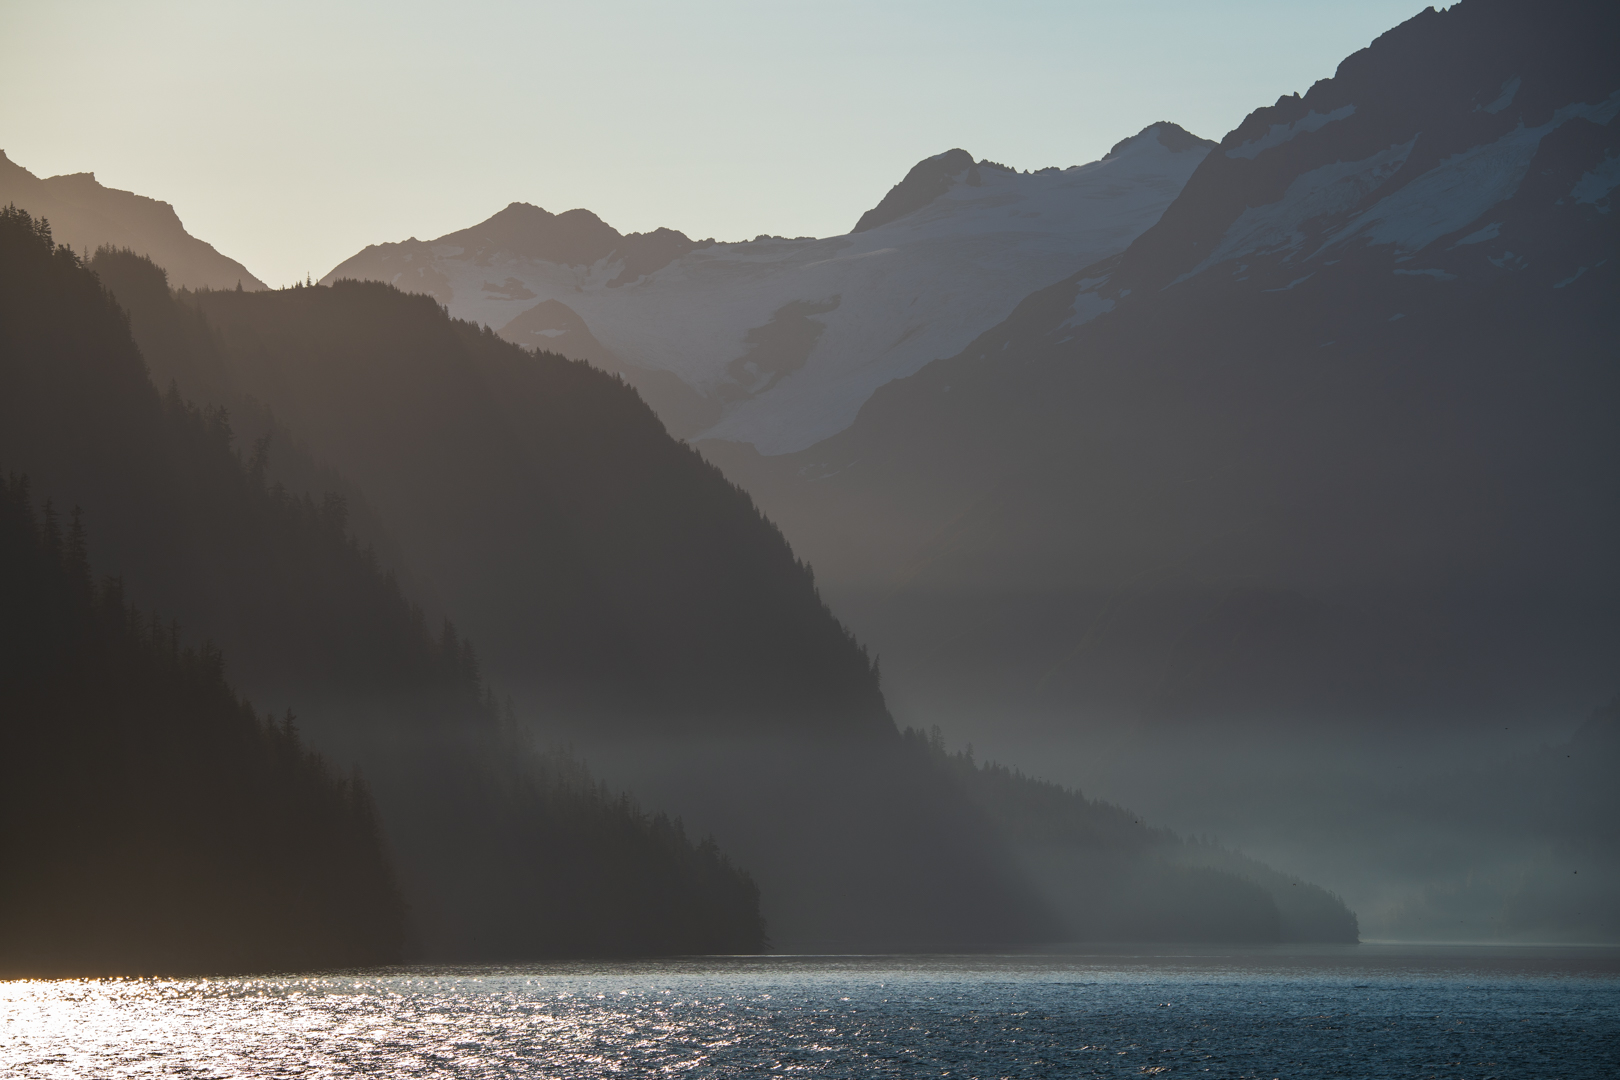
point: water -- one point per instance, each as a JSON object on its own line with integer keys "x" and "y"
{"x": 1362, "y": 1012}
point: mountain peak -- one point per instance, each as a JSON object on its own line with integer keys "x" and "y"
{"x": 571, "y": 238}
{"x": 1173, "y": 137}
{"x": 86, "y": 215}
{"x": 574, "y": 238}
{"x": 928, "y": 180}
{"x": 933, "y": 176}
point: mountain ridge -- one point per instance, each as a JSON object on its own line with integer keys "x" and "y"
{"x": 86, "y": 215}
{"x": 776, "y": 341}
{"x": 1320, "y": 459}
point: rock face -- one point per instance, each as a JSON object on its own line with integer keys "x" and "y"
{"x": 85, "y": 216}
{"x": 779, "y": 342}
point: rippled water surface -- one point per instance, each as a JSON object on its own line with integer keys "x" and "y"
{"x": 1360, "y": 1012}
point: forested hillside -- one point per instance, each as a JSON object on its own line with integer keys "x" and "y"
{"x": 151, "y": 821}
{"x": 610, "y": 575}
{"x": 502, "y": 851}
{"x": 641, "y": 606}
{"x": 1112, "y": 877}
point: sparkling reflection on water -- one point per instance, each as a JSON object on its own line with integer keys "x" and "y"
{"x": 1354, "y": 1012}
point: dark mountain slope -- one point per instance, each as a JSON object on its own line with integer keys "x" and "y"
{"x": 689, "y": 619}
{"x": 504, "y": 852}
{"x": 902, "y": 846}
{"x": 852, "y": 841}
{"x": 1331, "y": 437}
{"x": 1110, "y": 877}
{"x": 858, "y": 840}
{"x": 609, "y": 569}
{"x": 636, "y": 602}
{"x": 1474, "y": 88}
{"x": 191, "y": 528}
{"x": 181, "y": 348}
{"x": 1326, "y": 458}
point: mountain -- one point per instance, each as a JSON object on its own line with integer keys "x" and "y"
{"x": 1344, "y": 368}
{"x": 777, "y": 342}
{"x": 504, "y": 849}
{"x": 1318, "y": 474}
{"x": 649, "y": 616}
{"x": 85, "y": 216}
{"x": 635, "y": 602}
{"x": 611, "y": 575}
{"x": 1112, "y": 877}
{"x": 631, "y": 601}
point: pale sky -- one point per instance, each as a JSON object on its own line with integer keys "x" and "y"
{"x": 292, "y": 134}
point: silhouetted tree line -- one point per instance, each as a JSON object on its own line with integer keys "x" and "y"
{"x": 1110, "y": 877}
{"x": 152, "y": 821}
{"x": 496, "y": 859}
{"x": 589, "y": 873}
{"x": 181, "y": 349}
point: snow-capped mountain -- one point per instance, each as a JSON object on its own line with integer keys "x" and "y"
{"x": 778, "y": 342}
{"x": 86, "y": 215}
{"x": 1319, "y": 477}
{"x": 1419, "y": 184}
{"x": 1368, "y": 352}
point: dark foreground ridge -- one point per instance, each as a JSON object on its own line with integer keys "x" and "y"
{"x": 152, "y": 821}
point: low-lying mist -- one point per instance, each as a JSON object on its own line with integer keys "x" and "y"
{"x": 1435, "y": 836}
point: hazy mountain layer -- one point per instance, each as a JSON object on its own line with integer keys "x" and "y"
{"x": 778, "y": 342}
{"x": 84, "y": 215}
{"x": 504, "y": 851}
{"x": 1320, "y": 470}
{"x": 610, "y": 575}
{"x": 726, "y": 693}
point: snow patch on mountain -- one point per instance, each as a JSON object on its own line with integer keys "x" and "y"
{"x": 1505, "y": 97}
{"x": 1328, "y": 190}
{"x": 1464, "y": 186}
{"x": 1596, "y": 185}
{"x": 1479, "y": 236}
{"x": 1088, "y": 303}
{"x": 1332, "y": 199}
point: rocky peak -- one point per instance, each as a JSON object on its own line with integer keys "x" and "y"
{"x": 1173, "y": 137}
{"x": 928, "y": 180}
